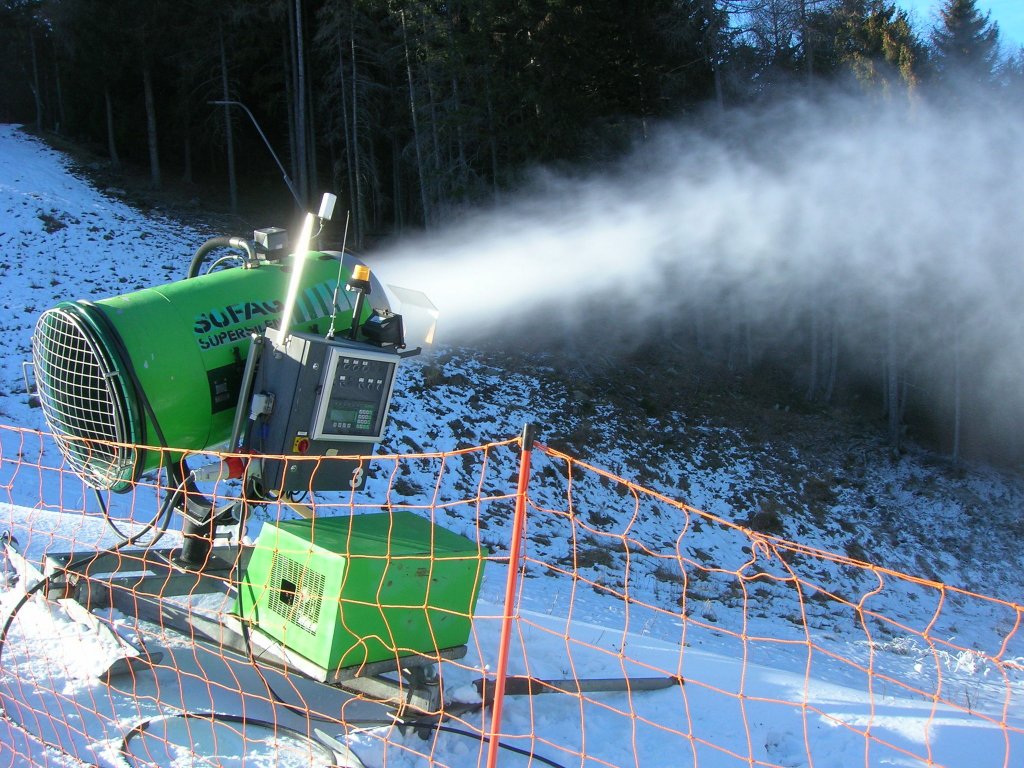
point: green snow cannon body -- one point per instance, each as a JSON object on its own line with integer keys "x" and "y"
{"x": 163, "y": 366}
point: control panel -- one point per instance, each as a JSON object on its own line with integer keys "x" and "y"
{"x": 330, "y": 399}
{"x": 356, "y": 394}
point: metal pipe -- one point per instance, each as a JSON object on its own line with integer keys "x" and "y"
{"x": 284, "y": 173}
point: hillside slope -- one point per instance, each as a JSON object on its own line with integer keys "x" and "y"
{"x": 822, "y": 477}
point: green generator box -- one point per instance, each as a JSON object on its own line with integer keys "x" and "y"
{"x": 347, "y": 591}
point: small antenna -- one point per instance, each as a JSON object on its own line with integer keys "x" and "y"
{"x": 337, "y": 284}
{"x": 287, "y": 179}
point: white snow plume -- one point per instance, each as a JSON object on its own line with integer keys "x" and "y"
{"x": 868, "y": 211}
{"x": 777, "y": 201}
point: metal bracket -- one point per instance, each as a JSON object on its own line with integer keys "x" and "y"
{"x": 31, "y": 388}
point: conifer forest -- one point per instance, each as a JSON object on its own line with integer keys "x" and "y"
{"x": 418, "y": 112}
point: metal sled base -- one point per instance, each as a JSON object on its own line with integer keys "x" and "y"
{"x": 143, "y": 582}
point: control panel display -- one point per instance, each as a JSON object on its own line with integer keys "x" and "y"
{"x": 355, "y": 396}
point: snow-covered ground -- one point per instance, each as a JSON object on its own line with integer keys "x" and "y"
{"x": 790, "y": 657}
{"x": 746, "y": 699}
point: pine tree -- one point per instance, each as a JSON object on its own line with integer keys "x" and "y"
{"x": 1013, "y": 76}
{"x": 875, "y": 41}
{"x": 966, "y": 44}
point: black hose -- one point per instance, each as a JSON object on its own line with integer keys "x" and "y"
{"x": 81, "y": 562}
{"x": 237, "y": 243}
{"x": 486, "y": 739}
{"x": 163, "y": 513}
{"x": 29, "y": 593}
{"x": 47, "y": 581}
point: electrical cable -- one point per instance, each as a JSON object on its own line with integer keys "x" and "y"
{"x": 82, "y": 563}
{"x": 213, "y": 717}
{"x": 164, "y": 512}
{"x": 501, "y": 745}
{"x": 121, "y": 535}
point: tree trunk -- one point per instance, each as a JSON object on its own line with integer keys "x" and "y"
{"x": 415, "y": 125}
{"x": 957, "y": 383}
{"x": 186, "y": 123}
{"x": 815, "y": 332}
{"x": 37, "y": 92}
{"x": 439, "y": 164}
{"x": 805, "y": 29}
{"x": 299, "y": 62}
{"x": 186, "y": 174}
{"x": 463, "y": 173}
{"x": 397, "y": 191}
{"x": 151, "y": 137}
{"x": 115, "y": 159}
{"x": 313, "y": 179}
{"x": 62, "y": 117}
{"x": 312, "y": 176}
{"x": 892, "y": 383}
{"x": 229, "y": 137}
{"x": 357, "y": 166}
{"x": 374, "y": 204}
{"x": 288, "y": 63}
{"x": 460, "y": 141}
{"x": 833, "y": 362}
{"x": 711, "y": 51}
{"x": 347, "y": 129}
{"x": 493, "y": 131}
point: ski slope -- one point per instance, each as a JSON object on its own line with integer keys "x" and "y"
{"x": 741, "y": 704}
{"x": 92, "y": 726}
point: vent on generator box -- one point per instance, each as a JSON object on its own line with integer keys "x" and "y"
{"x": 82, "y": 394}
{"x": 296, "y": 593}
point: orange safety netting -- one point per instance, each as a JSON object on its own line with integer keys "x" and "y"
{"x": 634, "y": 631}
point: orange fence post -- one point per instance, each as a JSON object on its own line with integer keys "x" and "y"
{"x": 514, "y": 556}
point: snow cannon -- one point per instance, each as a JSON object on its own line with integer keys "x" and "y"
{"x": 163, "y": 366}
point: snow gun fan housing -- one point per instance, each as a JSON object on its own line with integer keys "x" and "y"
{"x": 164, "y": 366}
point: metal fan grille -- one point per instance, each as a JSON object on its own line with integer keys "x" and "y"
{"x": 82, "y": 398}
{"x": 297, "y": 593}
